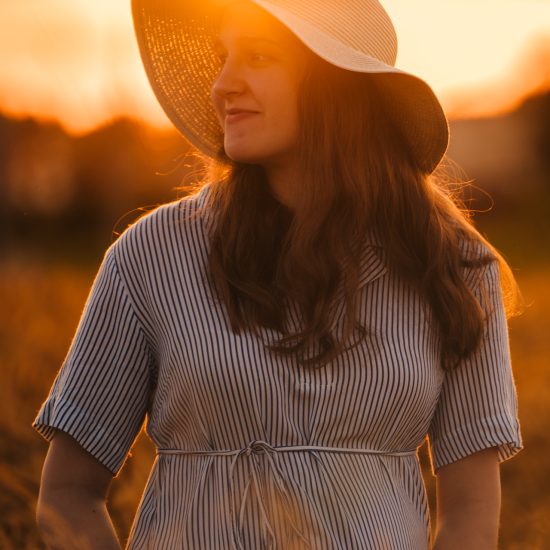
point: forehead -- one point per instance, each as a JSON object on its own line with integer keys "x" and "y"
{"x": 243, "y": 20}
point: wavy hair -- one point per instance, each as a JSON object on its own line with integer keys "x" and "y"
{"x": 359, "y": 178}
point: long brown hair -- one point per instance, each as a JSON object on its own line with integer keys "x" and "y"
{"x": 359, "y": 178}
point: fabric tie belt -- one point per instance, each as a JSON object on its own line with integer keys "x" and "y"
{"x": 258, "y": 447}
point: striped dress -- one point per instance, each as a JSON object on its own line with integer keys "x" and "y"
{"x": 253, "y": 450}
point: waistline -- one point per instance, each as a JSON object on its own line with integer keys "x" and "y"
{"x": 260, "y": 447}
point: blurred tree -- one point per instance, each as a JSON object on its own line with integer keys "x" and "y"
{"x": 64, "y": 189}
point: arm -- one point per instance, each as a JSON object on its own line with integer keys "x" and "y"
{"x": 468, "y": 503}
{"x": 71, "y": 510}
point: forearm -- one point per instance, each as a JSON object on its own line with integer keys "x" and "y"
{"x": 468, "y": 503}
{"x": 466, "y": 531}
{"x": 69, "y": 522}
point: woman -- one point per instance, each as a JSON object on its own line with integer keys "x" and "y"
{"x": 296, "y": 328}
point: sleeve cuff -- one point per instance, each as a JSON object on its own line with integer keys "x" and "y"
{"x": 496, "y": 431}
{"x": 95, "y": 443}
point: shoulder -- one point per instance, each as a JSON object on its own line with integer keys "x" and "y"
{"x": 474, "y": 249}
{"x": 166, "y": 221}
{"x": 480, "y": 262}
{"x": 187, "y": 210}
{"x": 162, "y": 232}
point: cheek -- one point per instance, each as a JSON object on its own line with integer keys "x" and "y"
{"x": 288, "y": 119}
{"x": 284, "y": 111}
{"x": 288, "y": 92}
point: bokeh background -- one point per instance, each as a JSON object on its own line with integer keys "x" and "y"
{"x": 84, "y": 150}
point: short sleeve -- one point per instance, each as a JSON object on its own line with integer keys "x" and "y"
{"x": 100, "y": 395}
{"x": 477, "y": 405}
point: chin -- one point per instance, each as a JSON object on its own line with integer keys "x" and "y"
{"x": 238, "y": 154}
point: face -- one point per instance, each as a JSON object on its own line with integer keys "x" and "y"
{"x": 255, "y": 94}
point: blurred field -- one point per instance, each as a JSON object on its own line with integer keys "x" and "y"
{"x": 42, "y": 303}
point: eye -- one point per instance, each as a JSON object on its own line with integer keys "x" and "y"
{"x": 259, "y": 57}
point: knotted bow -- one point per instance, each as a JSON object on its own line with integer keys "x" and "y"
{"x": 251, "y": 451}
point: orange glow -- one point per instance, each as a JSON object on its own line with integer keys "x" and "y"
{"x": 78, "y": 62}
{"x": 74, "y": 62}
{"x": 528, "y": 75}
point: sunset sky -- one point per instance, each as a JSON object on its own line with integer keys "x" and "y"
{"x": 77, "y": 61}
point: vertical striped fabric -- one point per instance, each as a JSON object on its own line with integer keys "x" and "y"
{"x": 244, "y": 436}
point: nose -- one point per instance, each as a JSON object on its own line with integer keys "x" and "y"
{"x": 229, "y": 80}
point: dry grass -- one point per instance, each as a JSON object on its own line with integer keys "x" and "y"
{"x": 41, "y": 305}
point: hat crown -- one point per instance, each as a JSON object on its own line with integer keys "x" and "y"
{"x": 363, "y": 25}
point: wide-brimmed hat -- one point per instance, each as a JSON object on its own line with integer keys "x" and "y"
{"x": 176, "y": 41}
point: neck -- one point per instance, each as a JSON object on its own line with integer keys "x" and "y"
{"x": 283, "y": 181}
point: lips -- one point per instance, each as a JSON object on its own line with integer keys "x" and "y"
{"x": 237, "y": 115}
{"x": 235, "y": 111}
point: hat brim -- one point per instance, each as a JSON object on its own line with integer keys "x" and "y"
{"x": 176, "y": 45}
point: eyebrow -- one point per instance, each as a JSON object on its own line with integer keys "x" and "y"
{"x": 217, "y": 43}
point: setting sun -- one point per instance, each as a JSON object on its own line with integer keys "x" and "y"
{"x": 78, "y": 62}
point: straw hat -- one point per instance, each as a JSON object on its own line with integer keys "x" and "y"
{"x": 176, "y": 43}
